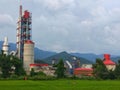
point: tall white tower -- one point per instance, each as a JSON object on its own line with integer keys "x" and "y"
{"x": 5, "y": 47}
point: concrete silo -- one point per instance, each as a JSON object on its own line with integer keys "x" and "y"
{"x": 28, "y": 56}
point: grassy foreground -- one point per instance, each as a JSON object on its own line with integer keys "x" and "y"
{"x": 59, "y": 85}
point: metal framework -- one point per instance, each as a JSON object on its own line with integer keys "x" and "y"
{"x": 23, "y": 31}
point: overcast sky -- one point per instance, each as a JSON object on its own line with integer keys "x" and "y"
{"x": 84, "y": 26}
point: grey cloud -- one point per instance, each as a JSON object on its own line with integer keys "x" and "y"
{"x": 71, "y": 25}
{"x": 6, "y": 21}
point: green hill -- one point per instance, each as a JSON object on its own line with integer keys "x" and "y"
{"x": 115, "y": 59}
{"x": 65, "y": 56}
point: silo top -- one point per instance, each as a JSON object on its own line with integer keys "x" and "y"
{"x": 107, "y": 60}
{"x": 29, "y": 42}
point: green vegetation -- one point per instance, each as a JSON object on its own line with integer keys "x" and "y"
{"x": 117, "y": 70}
{"x": 39, "y": 76}
{"x": 101, "y": 72}
{"x": 60, "y": 71}
{"x": 59, "y": 85}
{"x": 10, "y": 65}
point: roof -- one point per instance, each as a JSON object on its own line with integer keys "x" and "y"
{"x": 107, "y": 60}
{"x": 38, "y": 64}
{"x": 29, "y": 42}
{"x": 84, "y": 69}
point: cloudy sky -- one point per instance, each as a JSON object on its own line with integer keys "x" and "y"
{"x": 84, "y": 26}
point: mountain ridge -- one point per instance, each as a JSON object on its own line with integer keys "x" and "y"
{"x": 42, "y": 54}
{"x": 66, "y": 57}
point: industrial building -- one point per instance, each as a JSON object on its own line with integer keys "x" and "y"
{"x": 47, "y": 69}
{"x": 25, "y": 46}
{"x": 88, "y": 71}
{"x": 110, "y": 65}
{"x": 83, "y": 72}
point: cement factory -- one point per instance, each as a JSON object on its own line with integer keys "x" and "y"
{"x": 25, "y": 49}
{"x": 25, "y": 45}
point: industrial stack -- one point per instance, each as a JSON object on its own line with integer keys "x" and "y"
{"x": 25, "y": 46}
{"x": 5, "y": 46}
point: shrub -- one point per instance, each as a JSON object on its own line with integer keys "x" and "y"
{"x": 41, "y": 77}
{"x": 13, "y": 76}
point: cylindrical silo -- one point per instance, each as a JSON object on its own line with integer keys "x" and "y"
{"x": 28, "y": 56}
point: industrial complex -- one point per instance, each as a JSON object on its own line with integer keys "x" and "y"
{"x": 25, "y": 50}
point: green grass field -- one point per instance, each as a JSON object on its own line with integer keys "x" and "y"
{"x": 59, "y": 85}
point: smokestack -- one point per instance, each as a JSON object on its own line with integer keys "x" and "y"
{"x": 20, "y": 12}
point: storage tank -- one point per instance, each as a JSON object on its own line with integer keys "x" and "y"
{"x": 28, "y": 56}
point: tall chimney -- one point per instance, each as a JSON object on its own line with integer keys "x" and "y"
{"x": 20, "y": 12}
{"x": 5, "y": 47}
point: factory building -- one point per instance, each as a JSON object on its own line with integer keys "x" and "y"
{"x": 86, "y": 69}
{"x": 25, "y": 46}
{"x": 83, "y": 72}
{"x": 110, "y": 65}
{"x": 47, "y": 69}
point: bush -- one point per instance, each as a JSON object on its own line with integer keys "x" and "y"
{"x": 13, "y": 76}
{"x": 41, "y": 77}
{"x": 41, "y": 73}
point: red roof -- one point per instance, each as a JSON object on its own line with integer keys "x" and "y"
{"x": 107, "y": 60}
{"x": 84, "y": 69}
{"x": 29, "y": 42}
{"x": 38, "y": 64}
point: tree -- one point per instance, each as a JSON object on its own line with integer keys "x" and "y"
{"x": 60, "y": 71}
{"x": 99, "y": 70}
{"x": 5, "y": 65}
{"x": 10, "y": 64}
{"x": 117, "y": 70}
{"x": 32, "y": 72}
{"x": 111, "y": 75}
{"x": 17, "y": 63}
